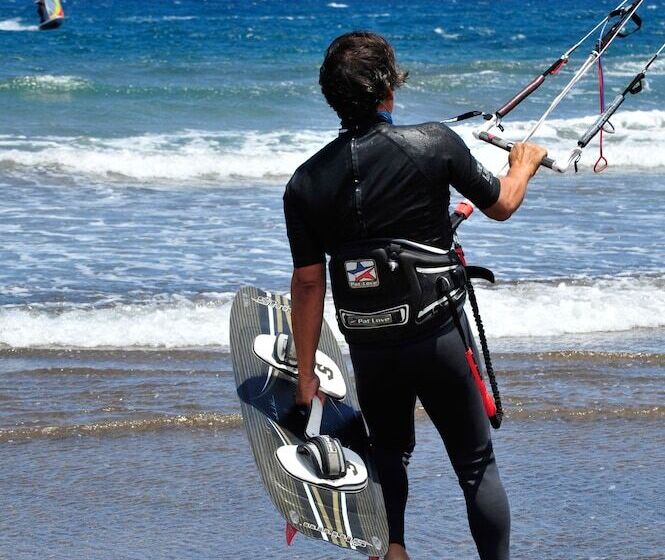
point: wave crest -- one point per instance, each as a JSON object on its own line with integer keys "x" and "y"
{"x": 522, "y": 309}
{"x": 200, "y": 157}
{"x": 188, "y": 156}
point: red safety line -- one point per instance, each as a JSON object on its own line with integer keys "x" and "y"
{"x": 488, "y": 402}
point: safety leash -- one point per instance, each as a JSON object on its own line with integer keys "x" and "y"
{"x": 497, "y": 417}
{"x": 492, "y": 405}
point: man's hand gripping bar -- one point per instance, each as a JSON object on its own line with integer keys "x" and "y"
{"x": 507, "y": 146}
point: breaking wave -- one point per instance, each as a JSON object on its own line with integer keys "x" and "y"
{"x": 522, "y": 309}
{"x": 157, "y": 19}
{"x": 181, "y": 323}
{"x": 189, "y": 156}
{"x": 234, "y": 156}
{"x": 572, "y": 307}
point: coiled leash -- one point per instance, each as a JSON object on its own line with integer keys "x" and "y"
{"x": 492, "y": 404}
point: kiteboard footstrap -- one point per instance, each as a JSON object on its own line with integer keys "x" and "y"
{"x": 321, "y": 460}
{"x": 327, "y": 456}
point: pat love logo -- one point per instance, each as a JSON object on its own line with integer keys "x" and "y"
{"x": 361, "y": 273}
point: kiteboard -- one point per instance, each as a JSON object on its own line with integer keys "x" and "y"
{"x": 347, "y": 512}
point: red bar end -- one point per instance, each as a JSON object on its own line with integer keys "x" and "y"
{"x": 558, "y": 67}
{"x": 464, "y": 208}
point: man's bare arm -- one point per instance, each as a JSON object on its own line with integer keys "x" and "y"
{"x": 308, "y": 289}
{"x": 524, "y": 161}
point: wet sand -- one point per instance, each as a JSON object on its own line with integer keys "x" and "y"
{"x": 142, "y": 454}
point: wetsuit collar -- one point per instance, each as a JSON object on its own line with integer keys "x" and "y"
{"x": 385, "y": 116}
{"x": 378, "y": 117}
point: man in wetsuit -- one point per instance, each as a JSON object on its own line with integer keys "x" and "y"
{"x": 377, "y": 180}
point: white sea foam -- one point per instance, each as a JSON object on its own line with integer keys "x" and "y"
{"x": 526, "y": 309}
{"x": 46, "y": 83}
{"x": 157, "y": 19}
{"x": 537, "y": 309}
{"x": 188, "y": 156}
{"x": 16, "y": 24}
{"x": 445, "y": 34}
{"x": 337, "y": 5}
{"x": 228, "y": 157}
{"x": 628, "y": 69}
{"x": 179, "y": 324}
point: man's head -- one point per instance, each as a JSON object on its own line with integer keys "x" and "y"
{"x": 358, "y": 73}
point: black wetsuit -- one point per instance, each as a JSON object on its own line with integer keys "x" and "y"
{"x": 387, "y": 181}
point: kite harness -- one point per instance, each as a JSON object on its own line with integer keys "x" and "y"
{"x": 395, "y": 290}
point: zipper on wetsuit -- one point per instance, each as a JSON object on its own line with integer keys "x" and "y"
{"x": 358, "y": 195}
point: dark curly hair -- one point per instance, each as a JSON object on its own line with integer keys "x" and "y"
{"x": 357, "y": 73}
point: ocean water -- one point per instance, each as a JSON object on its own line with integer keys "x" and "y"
{"x": 144, "y": 148}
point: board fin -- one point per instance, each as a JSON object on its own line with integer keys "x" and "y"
{"x": 291, "y": 533}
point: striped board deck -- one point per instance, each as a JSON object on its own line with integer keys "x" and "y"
{"x": 353, "y": 521}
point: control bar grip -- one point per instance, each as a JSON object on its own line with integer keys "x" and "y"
{"x": 521, "y": 96}
{"x": 508, "y": 145}
{"x": 601, "y": 121}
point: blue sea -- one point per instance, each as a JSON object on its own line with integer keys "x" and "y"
{"x": 144, "y": 148}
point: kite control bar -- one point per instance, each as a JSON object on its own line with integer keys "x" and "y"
{"x": 507, "y": 145}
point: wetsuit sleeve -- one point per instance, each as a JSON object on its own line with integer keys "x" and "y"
{"x": 468, "y": 176}
{"x": 306, "y": 249}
